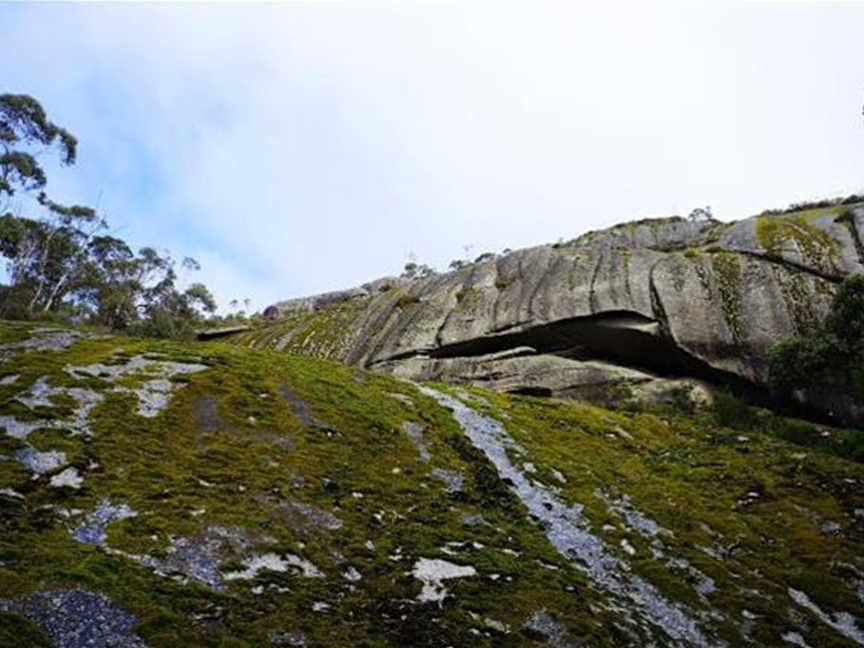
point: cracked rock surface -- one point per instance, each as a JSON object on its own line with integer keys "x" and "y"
{"x": 612, "y": 312}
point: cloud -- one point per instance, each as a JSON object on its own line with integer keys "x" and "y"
{"x": 297, "y": 148}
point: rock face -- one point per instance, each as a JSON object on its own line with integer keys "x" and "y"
{"x": 624, "y": 307}
{"x": 325, "y": 300}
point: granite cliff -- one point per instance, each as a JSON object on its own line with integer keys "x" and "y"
{"x": 640, "y": 310}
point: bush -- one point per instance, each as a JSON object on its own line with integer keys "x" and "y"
{"x": 729, "y": 411}
{"x": 163, "y": 324}
{"x": 794, "y": 363}
{"x": 797, "y": 432}
{"x": 681, "y": 400}
{"x": 846, "y": 320}
{"x": 405, "y": 301}
{"x": 13, "y": 302}
{"x": 831, "y": 356}
{"x": 852, "y": 445}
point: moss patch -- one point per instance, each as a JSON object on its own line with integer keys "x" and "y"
{"x": 251, "y": 463}
{"x": 775, "y": 233}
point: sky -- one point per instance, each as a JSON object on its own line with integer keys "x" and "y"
{"x": 297, "y": 148}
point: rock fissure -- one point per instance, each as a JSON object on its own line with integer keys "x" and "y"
{"x": 788, "y": 263}
{"x": 624, "y": 338}
{"x": 496, "y": 284}
{"x": 657, "y": 308}
{"x": 592, "y": 291}
{"x": 378, "y": 324}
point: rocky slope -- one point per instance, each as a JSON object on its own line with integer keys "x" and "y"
{"x": 166, "y": 494}
{"x": 614, "y": 313}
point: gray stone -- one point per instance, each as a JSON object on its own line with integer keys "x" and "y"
{"x": 454, "y": 482}
{"x": 92, "y": 530}
{"x": 614, "y": 310}
{"x": 569, "y": 531}
{"x": 78, "y": 619}
{"x": 40, "y": 462}
{"x": 44, "y": 339}
{"x": 154, "y": 393}
{"x": 415, "y": 433}
{"x": 301, "y": 410}
{"x": 554, "y": 631}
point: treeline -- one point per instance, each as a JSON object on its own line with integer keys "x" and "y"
{"x": 62, "y": 260}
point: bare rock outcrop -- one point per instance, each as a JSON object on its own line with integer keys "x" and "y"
{"x": 632, "y": 304}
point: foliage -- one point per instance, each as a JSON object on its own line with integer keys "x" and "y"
{"x": 846, "y": 320}
{"x": 832, "y": 355}
{"x": 407, "y": 300}
{"x": 816, "y": 204}
{"x": 25, "y": 131}
{"x": 729, "y": 411}
{"x": 410, "y": 270}
{"x": 805, "y": 434}
{"x": 700, "y": 215}
{"x": 852, "y": 445}
{"x": 63, "y": 262}
{"x": 413, "y": 270}
{"x": 681, "y": 399}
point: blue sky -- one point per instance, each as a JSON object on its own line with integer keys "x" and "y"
{"x": 300, "y": 148}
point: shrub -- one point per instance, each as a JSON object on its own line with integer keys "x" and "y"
{"x": 831, "y": 356}
{"x": 846, "y": 320}
{"x": 796, "y": 432}
{"x": 794, "y": 363}
{"x": 852, "y": 445}
{"x": 681, "y": 399}
{"x": 407, "y": 300}
{"x": 815, "y": 204}
{"x": 410, "y": 270}
{"x": 729, "y": 411}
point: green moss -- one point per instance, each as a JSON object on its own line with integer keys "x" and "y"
{"x": 693, "y": 254}
{"x": 727, "y": 270}
{"x": 407, "y": 300}
{"x": 325, "y": 333}
{"x": 798, "y": 289}
{"x": 683, "y": 470}
{"x": 468, "y": 298}
{"x": 238, "y": 463}
{"x": 774, "y": 232}
{"x": 624, "y": 255}
{"x": 15, "y": 630}
{"x": 167, "y": 468}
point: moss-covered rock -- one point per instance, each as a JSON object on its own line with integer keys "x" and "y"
{"x": 270, "y": 499}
